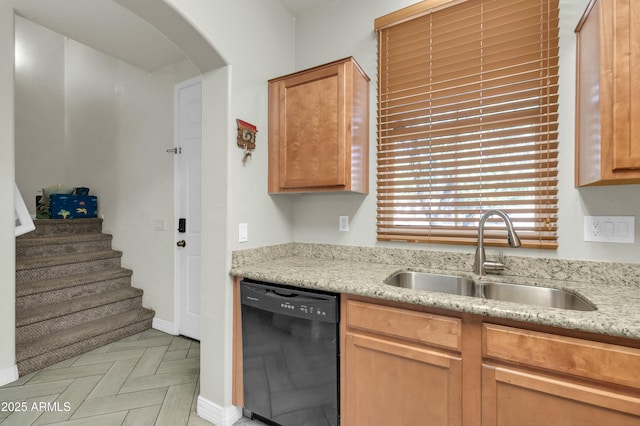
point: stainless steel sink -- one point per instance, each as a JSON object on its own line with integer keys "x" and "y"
{"x": 449, "y": 284}
{"x": 517, "y": 293}
{"x": 534, "y": 295}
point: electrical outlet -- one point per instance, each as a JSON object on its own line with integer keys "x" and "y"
{"x": 343, "y": 223}
{"x": 609, "y": 229}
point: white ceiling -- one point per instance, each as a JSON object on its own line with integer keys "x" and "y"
{"x": 105, "y": 26}
{"x": 114, "y": 30}
{"x": 298, "y": 7}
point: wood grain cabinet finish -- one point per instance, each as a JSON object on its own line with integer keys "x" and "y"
{"x": 608, "y": 94}
{"x": 533, "y": 378}
{"x": 392, "y": 375}
{"x": 319, "y": 130}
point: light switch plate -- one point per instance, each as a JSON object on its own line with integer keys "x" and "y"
{"x": 609, "y": 229}
{"x": 159, "y": 224}
{"x": 243, "y": 232}
{"x": 343, "y": 223}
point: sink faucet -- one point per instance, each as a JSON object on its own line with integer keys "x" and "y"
{"x": 480, "y": 264}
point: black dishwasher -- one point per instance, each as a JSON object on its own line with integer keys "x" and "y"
{"x": 290, "y": 351}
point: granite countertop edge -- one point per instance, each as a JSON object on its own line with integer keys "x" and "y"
{"x": 616, "y": 315}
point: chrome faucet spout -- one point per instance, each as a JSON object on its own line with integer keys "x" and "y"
{"x": 512, "y": 239}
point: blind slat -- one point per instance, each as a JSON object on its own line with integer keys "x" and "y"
{"x": 415, "y": 105}
{"x": 526, "y": 125}
{"x": 503, "y": 79}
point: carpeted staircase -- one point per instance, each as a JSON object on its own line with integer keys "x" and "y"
{"x": 71, "y": 293}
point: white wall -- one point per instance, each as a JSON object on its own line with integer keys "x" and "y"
{"x": 256, "y": 38}
{"x": 345, "y": 28}
{"x": 7, "y": 224}
{"x": 119, "y": 125}
{"x": 40, "y": 109}
{"x": 261, "y": 49}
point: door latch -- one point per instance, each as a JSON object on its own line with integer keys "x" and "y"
{"x": 181, "y": 243}
{"x": 182, "y": 225}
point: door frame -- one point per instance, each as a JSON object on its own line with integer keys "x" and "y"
{"x": 177, "y": 294}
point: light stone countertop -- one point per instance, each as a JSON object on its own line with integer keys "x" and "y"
{"x": 612, "y": 287}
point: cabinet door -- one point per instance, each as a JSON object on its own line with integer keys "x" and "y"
{"x": 608, "y": 94}
{"x": 389, "y": 383}
{"x": 626, "y": 107}
{"x": 312, "y": 129}
{"x": 518, "y": 397}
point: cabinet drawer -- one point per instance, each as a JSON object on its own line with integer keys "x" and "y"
{"x": 405, "y": 324}
{"x": 582, "y": 358}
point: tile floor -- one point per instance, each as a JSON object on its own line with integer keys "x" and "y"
{"x": 150, "y": 378}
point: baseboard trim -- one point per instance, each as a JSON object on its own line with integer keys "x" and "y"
{"x": 165, "y": 326}
{"x": 214, "y": 413}
{"x": 9, "y": 375}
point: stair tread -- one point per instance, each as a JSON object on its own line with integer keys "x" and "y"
{"x": 54, "y": 310}
{"x": 43, "y": 286}
{"x": 81, "y": 332}
{"x": 61, "y": 239}
{"x": 64, "y": 227}
{"x": 63, "y": 259}
{"x": 72, "y": 221}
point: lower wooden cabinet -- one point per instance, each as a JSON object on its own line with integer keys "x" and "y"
{"x": 533, "y": 378}
{"x": 393, "y": 375}
{"x": 512, "y": 396}
{"x": 408, "y": 367}
{"x": 389, "y": 383}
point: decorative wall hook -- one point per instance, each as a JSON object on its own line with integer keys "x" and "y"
{"x": 246, "y": 138}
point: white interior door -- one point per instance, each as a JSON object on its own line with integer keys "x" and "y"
{"x": 188, "y": 144}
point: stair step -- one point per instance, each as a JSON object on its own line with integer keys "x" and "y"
{"x": 35, "y": 294}
{"x": 33, "y": 324}
{"x": 72, "y": 295}
{"x": 44, "y": 268}
{"x": 64, "y": 226}
{"x": 46, "y": 246}
{"x": 56, "y": 347}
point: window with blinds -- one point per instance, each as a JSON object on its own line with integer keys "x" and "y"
{"x": 467, "y": 121}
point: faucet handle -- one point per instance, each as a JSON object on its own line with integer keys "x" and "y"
{"x": 493, "y": 267}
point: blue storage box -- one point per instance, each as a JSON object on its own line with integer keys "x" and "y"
{"x": 65, "y": 206}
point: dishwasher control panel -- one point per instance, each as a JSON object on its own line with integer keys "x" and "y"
{"x": 292, "y": 301}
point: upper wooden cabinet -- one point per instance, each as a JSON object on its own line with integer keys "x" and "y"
{"x": 319, "y": 129}
{"x": 608, "y": 94}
